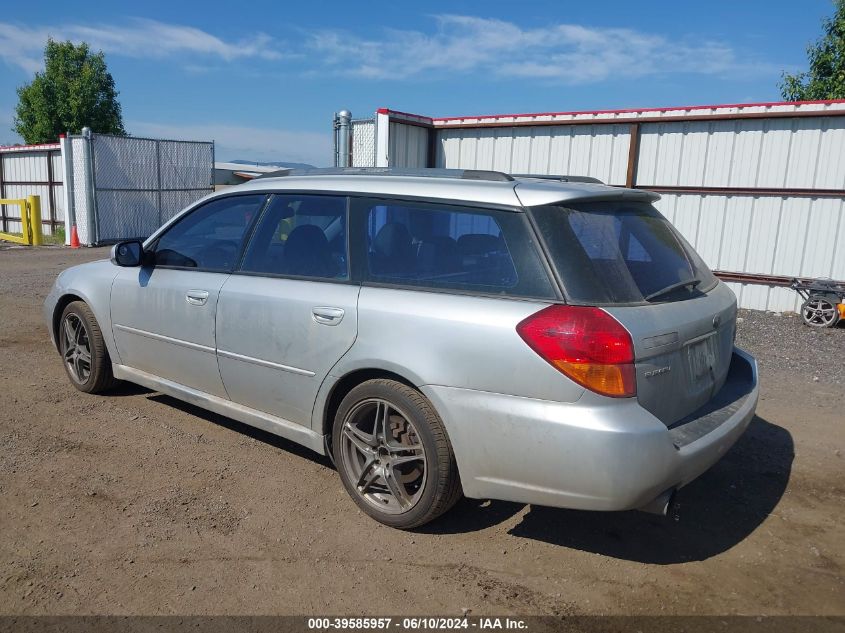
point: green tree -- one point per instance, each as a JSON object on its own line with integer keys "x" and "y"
{"x": 826, "y": 77}
{"x": 75, "y": 90}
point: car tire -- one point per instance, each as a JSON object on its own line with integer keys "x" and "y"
{"x": 401, "y": 471}
{"x": 84, "y": 354}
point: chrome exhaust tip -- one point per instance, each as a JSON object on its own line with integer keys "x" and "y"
{"x": 663, "y": 504}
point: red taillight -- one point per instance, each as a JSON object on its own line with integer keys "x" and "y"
{"x": 586, "y": 344}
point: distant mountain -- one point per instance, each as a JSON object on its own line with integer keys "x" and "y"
{"x": 276, "y": 164}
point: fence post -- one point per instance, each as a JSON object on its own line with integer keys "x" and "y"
{"x": 633, "y": 156}
{"x": 67, "y": 179}
{"x": 91, "y": 185}
{"x": 33, "y": 205}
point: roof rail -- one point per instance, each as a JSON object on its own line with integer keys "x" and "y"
{"x": 460, "y": 174}
{"x": 589, "y": 179}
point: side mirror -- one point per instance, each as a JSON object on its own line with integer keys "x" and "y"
{"x": 127, "y": 254}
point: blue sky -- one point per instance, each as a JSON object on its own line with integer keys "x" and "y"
{"x": 263, "y": 78}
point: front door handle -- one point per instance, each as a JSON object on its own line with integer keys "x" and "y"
{"x": 328, "y": 316}
{"x": 196, "y": 297}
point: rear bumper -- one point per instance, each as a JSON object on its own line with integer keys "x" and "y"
{"x": 594, "y": 454}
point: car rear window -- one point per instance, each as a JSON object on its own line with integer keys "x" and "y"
{"x": 620, "y": 252}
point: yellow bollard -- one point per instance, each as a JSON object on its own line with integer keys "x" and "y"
{"x": 33, "y": 203}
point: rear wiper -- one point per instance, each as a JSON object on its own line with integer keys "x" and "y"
{"x": 692, "y": 283}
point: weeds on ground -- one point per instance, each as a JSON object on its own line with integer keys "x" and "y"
{"x": 58, "y": 236}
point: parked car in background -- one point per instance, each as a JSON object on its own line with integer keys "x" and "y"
{"x": 436, "y": 332}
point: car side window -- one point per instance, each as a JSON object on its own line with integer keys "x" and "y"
{"x": 300, "y": 236}
{"x": 441, "y": 246}
{"x": 210, "y": 237}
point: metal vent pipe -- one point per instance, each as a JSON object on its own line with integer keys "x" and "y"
{"x": 343, "y": 139}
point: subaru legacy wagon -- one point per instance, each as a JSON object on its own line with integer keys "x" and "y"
{"x": 437, "y": 333}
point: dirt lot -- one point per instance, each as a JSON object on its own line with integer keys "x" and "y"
{"x": 138, "y": 504}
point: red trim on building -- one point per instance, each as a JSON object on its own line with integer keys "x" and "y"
{"x": 400, "y": 113}
{"x": 769, "y": 104}
{"x": 23, "y": 148}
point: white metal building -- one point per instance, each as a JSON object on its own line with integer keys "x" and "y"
{"x": 758, "y": 189}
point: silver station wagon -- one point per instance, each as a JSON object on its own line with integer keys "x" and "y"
{"x": 541, "y": 340}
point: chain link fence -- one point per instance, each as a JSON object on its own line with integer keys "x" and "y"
{"x": 139, "y": 183}
{"x": 363, "y": 143}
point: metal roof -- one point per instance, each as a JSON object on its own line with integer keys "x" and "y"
{"x": 41, "y": 147}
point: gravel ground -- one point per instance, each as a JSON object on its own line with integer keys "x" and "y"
{"x": 783, "y": 341}
{"x": 135, "y": 503}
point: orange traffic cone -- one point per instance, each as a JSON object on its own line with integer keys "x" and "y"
{"x": 74, "y": 237}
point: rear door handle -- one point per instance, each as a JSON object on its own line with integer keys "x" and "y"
{"x": 196, "y": 297}
{"x": 328, "y": 316}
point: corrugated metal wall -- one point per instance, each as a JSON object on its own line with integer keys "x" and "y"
{"x": 773, "y": 235}
{"x": 765, "y": 233}
{"x": 770, "y": 235}
{"x": 766, "y": 153}
{"x": 758, "y": 189}
{"x": 408, "y": 146}
{"x": 790, "y": 153}
{"x": 590, "y": 150}
{"x": 33, "y": 172}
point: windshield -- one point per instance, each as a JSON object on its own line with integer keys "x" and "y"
{"x": 620, "y": 252}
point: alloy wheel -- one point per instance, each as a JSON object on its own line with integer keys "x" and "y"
{"x": 383, "y": 456}
{"x": 76, "y": 348}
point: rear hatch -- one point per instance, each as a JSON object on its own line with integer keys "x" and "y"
{"x": 627, "y": 258}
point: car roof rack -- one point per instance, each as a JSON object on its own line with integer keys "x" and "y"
{"x": 562, "y": 178}
{"x": 459, "y": 174}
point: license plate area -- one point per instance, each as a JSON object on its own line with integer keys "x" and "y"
{"x": 701, "y": 359}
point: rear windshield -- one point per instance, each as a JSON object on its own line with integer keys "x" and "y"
{"x": 620, "y": 252}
